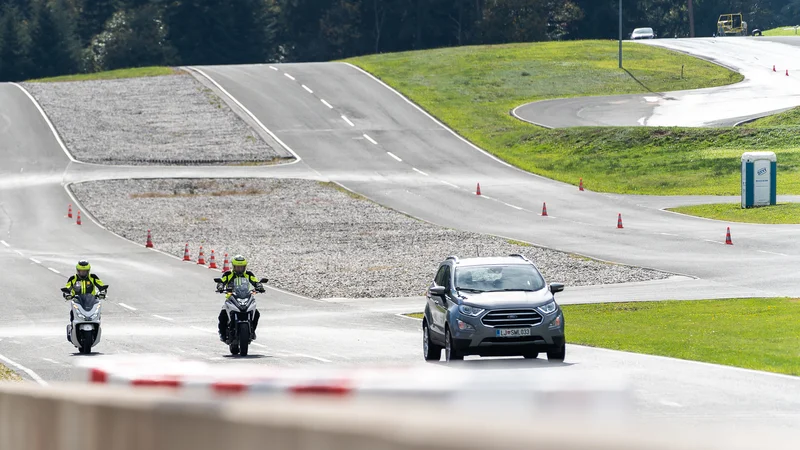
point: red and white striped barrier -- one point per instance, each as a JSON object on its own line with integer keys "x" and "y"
{"x": 554, "y": 388}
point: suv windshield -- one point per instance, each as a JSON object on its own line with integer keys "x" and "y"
{"x": 499, "y": 277}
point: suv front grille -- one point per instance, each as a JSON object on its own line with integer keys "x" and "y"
{"x": 512, "y": 318}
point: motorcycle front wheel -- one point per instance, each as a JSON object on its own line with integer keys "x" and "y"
{"x": 244, "y": 338}
{"x": 85, "y": 339}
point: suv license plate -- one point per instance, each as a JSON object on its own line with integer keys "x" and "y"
{"x": 512, "y": 332}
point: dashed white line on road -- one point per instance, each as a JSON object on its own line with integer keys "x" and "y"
{"x": 513, "y": 206}
{"x": 273, "y": 67}
{"x": 308, "y": 89}
{"x": 126, "y": 306}
{"x": 30, "y": 373}
{"x": 370, "y": 139}
{"x": 35, "y": 260}
{"x": 313, "y": 357}
{"x": 449, "y": 184}
{"x": 713, "y": 242}
{"x": 53, "y": 270}
{"x": 289, "y": 76}
{"x": 18, "y": 252}
{"x": 259, "y": 345}
{"x": 163, "y": 318}
{"x": 326, "y": 103}
{"x": 486, "y": 197}
{"x": 668, "y": 234}
{"x": 51, "y": 361}
{"x": 394, "y": 156}
{"x": 772, "y": 253}
{"x": 5, "y": 243}
{"x": 419, "y": 171}
{"x": 670, "y": 403}
{"x": 348, "y": 121}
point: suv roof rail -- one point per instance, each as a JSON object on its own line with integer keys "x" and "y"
{"x": 519, "y": 256}
{"x": 453, "y": 257}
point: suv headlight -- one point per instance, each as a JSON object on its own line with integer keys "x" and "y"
{"x": 470, "y": 310}
{"x": 548, "y": 308}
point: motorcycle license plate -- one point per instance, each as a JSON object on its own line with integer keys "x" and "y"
{"x": 512, "y": 332}
{"x": 86, "y": 327}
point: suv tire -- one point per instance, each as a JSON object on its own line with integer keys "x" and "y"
{"x": 557, "y": 355}
{"x": 451, "y": 354}
{"x": 430, "y": 350}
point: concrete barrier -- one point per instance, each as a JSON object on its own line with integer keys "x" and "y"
{"x": 85, "y": 417}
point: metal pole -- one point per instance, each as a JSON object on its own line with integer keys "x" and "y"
{"x": 620, "y": 34}
{"x": 691, "y": 19}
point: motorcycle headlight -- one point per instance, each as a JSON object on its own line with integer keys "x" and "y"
{"x": 470, "y": 310}
{"x": 548, "y": 308}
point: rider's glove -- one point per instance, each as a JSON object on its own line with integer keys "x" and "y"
{"x": 219, "y": 287}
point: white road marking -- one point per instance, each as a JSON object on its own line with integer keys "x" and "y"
{"x": 180, "y": 350}
{"x": 670, "y": 403}
{"x": 668, "y": 234}
{"x": 126, "y": 306}
{"x": 35, "y": 260}
{"x": 30, "y": 373}
{"x": 289, "y": 76}
{"x": 641, "y": 121}
{"x": 18, "y": 252}
{"x": 51, "y": 361}
{"x": 449, "y": 184}
{"x": 348, "y": 121}
{"x": 370, "y": 139}
{"x": 163, "y": 318}
{"x": 49, "y": 124}
{"x": 5, "y": 243}
{"x": 772, "y": 253}
{"x": 513, "y": 206}
{"x": 487, "y": 197}
{"x": 394, "y": 156}
{"x": 273, "y": 68}
{"x": 21, "y": 169}
{"x": 713, "y": 242}
{"x": 53, "y": 270}
{"x": 419, "y": 171}
{"x": 312, "y": 357}
{"x": 326, "y": 103}
{"x": 259, "y": 345}
{"x": 308, "y": 89}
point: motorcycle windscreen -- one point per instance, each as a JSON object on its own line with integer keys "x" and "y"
{"x": 241, "y": 288}
{"x": 86, "y": 301}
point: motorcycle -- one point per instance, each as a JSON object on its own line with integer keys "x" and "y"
{"x": 240, "y": 306}
{"x": 84, "y": 330}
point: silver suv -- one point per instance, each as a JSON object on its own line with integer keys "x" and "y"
{"x": 499, "y": 306}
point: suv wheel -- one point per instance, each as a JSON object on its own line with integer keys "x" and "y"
{"x": 557, "y": 355}
{"x": 430, "y": 350}
{"x": 451, "y": 354}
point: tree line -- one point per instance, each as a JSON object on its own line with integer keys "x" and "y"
{"x": 41, "y": 38}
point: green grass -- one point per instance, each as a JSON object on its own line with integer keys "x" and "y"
{"x": 790, "y": 118}
{"x": 782, "y": 31}
{"x": 756, "y": 334}
{"x": 473, "y": 89}
{"x": 782, "y": 213}
{"x": 7, "y": 374}
{"x": 113, "y": 74}
{"x": 415, "y": 315}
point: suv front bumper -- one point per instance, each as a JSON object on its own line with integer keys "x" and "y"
{"x": 484, "y": 342}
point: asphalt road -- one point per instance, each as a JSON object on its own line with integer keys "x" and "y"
{"x": 349, "y": 128}
{"x": 763, "y": 91}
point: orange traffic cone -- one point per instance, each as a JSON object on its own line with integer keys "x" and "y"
{"x": 619, "y": 221}
{"x": 478, "y": 191}
{"x": 580, "y": 187}
{"x": 186, "y": 256}
{"x": 149, "y": 243}
{"x": 728, "y": 237}
{"x": 212, "y": 263}
{"x": 773, "y": 68}
{"x": 201, "y": 259}
{"x": 544, "y": 209}
{"x": 79, "y": 218}
{"x": 787, "y": 72}
{"x": 226, "y": 264}
{"x": 69, "y": 212}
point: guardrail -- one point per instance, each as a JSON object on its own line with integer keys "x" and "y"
{"x": 96, "y": 417}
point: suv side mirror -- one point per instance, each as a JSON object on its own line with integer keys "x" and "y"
{"x": 437, "y": 290}
{"x": 263, "y": 280}
{"x": 556, "y": 287}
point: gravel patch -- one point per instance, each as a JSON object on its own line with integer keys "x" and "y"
{"x": 171, "y": 119}
{"x": 312, "y": 238}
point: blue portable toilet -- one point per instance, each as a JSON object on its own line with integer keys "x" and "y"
{"x": 759, "y": 179}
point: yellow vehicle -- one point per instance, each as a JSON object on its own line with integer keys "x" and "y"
{"x": 731, "y": 25}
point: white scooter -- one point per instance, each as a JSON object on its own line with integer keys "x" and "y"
{"x": 84, "y": 331}
{"x": 240, "y": 305}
